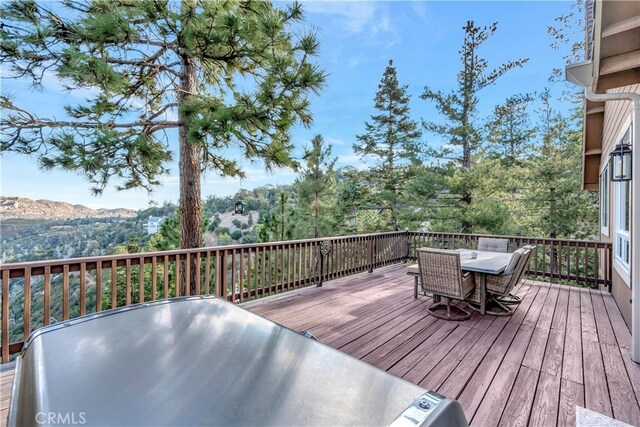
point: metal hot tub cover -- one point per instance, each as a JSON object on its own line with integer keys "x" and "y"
{"x": 204, "y": 361}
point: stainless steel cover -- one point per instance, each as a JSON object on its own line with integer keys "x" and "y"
{"x": 196, "y": 361}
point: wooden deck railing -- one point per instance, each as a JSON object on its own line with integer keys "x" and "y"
{"x": 57, "y": 290}
{"x": 35, "y": 294}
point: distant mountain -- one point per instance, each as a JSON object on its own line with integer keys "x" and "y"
{"x": 23, "y": 208}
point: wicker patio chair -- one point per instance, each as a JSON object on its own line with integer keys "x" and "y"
{"x": 493, "y": 245}
{"x": 441, "y": 275}
{"x": 499, "y": 286}
{"x": 511, "y": 298}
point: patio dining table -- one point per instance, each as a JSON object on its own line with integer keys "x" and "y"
{"x": 485, "y": 262}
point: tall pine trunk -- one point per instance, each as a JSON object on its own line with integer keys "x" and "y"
{"x": 190, "y": 164}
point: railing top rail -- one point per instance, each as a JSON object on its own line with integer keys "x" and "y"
{"x": 498, "y": 236}
{"x": 175, "y": 252}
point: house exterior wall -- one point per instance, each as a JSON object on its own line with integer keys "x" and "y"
{"x": 617, "y": 116}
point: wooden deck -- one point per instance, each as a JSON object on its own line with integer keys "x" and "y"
{"x": 563, "y": 347}
{"x": 6, "y": 383}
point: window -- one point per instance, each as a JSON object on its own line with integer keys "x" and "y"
{"x": 604, "y": 201}
{"x": 622, "y": 220}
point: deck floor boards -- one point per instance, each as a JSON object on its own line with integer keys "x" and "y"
{"x": 561, "y": 348}
{"x": 526, "y": 369}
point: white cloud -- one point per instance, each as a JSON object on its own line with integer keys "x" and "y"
{"x": 353, "y": 160}
{"x": 356, "y": 60}
{"x": 354, "y": 16}
{"x": 336, "y": 141}
{"x": 420, "y": 9}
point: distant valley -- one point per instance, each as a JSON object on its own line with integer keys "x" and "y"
{"x": 24, "y": 208}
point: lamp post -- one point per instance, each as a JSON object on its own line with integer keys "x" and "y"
{"x": 238, "y": 208}
{"x": 620, "y": 163}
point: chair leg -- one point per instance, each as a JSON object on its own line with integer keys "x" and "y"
{"x": 509, "y": 299}
{"x": 494, "y": 307}
{"x": 451, "y": 312}
{"x": 415, "y": 287}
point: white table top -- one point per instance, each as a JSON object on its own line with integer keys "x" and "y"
{"x": 486, "y": 262}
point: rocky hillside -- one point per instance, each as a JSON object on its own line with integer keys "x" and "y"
{"x": 23, "y": 208}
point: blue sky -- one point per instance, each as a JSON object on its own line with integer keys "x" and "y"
{"x": 357, "y": 39}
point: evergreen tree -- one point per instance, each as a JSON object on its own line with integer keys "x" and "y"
{"x": 559, "y": 206}
{"x": 314, "y": 185}
{"x": 391, "y": 137}
{"x": 509, "y": 130}
{"x": 280, "y": 222}
{"x": 157, "y": 69}
{"x": 459, "y": 108}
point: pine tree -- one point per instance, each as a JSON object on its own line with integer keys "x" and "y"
{"x": 280, "y": 223}
{"x": 156, "y": 68}
{"x": 391, "y": 138}
{"x": 509, "y": 129}
{"x": 315, "y": 184}
{"x": 459, "y": 107}
{"x": 561, "y": 208}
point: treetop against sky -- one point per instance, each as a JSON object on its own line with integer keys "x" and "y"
{"x": 357, "y": 39}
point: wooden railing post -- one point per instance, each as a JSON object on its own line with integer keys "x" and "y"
{"x": 370, "y": 260}
{"x": 407, "y": 236}
{"x": 222, "y": 274}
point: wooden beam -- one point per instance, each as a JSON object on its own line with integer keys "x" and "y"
{"x": 622, "y": 62}
{"x": 621, "y": 26}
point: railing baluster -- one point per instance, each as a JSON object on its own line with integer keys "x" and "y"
{"x": 264, "y": 270}
{"x": 154, "y": 278}
{"x": 569, "y": 261}
{"x": 224, "y": 264}
{"x": 5, "y": 316}
{"x": 283, "y": 277}
{"x": 233, "y": 275}
{"x": 596, "y": 266}
{"x": 128, "y": 282}
{"x": 65, "y": 292}
{"x": 256, "y": 272}
{"x": 292, "y": 265}
{"x": 300, "y": 256}
{"x": 114, "y": 284}
{"x": 198, "y": 275}
{"x": 165, "y": 276}
{"x": 577, "y": 263}
{"x": 26, "y": 315}
{"x": 47, "y": 295}
{"x": 98, "y": 286}
{"x": 249, "y": 274}
{"x": 241, "y": 280}
{"x": 83, "y": 289}
{"x": 141, "y": 279}
{"x": 289, "y": 256}
{"x": 177, "y": 280}
{"x": 586, "y": 264}
{"x": 269, "y": 278}
{"x": 187, "y": 275}
{"x": 217, "y": 286}
{"x": 207, "y": 274}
